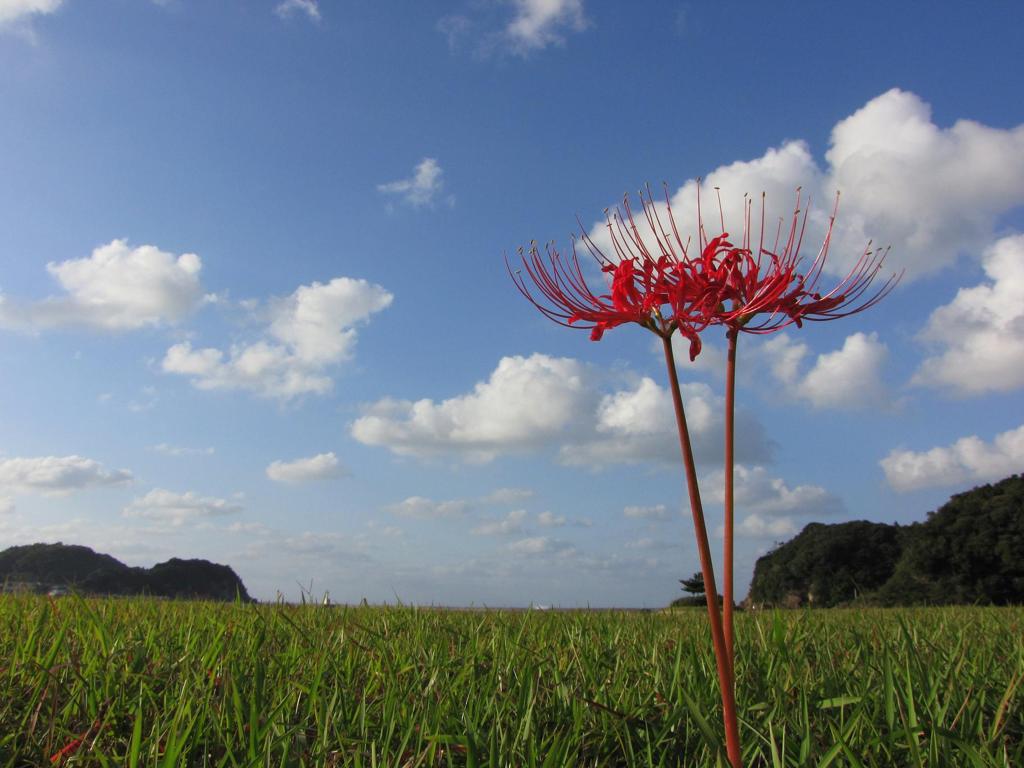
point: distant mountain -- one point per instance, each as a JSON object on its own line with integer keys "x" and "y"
{"x": 970, "y": 550}
{"x": 47, "y": 567}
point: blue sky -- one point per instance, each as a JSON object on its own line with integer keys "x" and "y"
{"x": 254, "y": 308}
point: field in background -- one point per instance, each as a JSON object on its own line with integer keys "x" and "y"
{"x": 138, "y": 682}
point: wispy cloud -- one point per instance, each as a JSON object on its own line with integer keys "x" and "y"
{"x": 165, "y": 506}
{"x": 533, "y": 26}
{"x": 423, "y": 188}
{"x": 166, "y": 449}
{"x": 657, "y": 512}
{"x": 16, "y": 15}
{"x": 288, "y": 8}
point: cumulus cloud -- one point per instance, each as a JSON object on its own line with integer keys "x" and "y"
{"x": 526, "y": 403}
{"x": 756, "y": 526}
{"x": 637, "y": 426}
{"x": 420, "y": 189}
{"x": 982, "y": 329}
{"x": 287, "y": 8}
{"x": 756, "y": 491}
{"x": 849, "y": 377}
{"x": 933, "y": 193}
{"x": 323, "y": 466}
{"x": 307, "y": 334}
{"x": 117, "y": 288}
{"x": 969, "y": 459}
{"x": 657, "y": 512}
{"x": 6, "y": 505}
{"x": 537, "y": 402}
{"x": 57, "y": 474}
{"x": 511, "y": 523}
{"x": 422, "y": 508}
{"x": 178, "y": 508}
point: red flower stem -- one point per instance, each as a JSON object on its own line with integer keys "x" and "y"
{"x": 727, "y": 554}
{"x": 722, "y": 659}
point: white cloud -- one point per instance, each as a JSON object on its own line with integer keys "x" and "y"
{"x": 117, "y": 288}
{"x": 287, "y": 8}
{"x": 932, "y": 193}
{"x": 511, "y": 523}
{"x": 538, "y": 402}
{"x": 455, "y": 27}
{"x": 638, "y": 426}
{"x": 308, "y": 332}
{"x": 420, "y": 189}
{"x": 6, "y": 505}
{"x": 540, "y": 23}
{"x": 526, "y": 403}
{"x": 57, "y": 474}
{"x": 755, "y": 491}
{"x": 256, "y": 529}
{"x": 421, "y": 508}
{"x": 507, "y": 496}
{"x": 16, "y": 15}
{"x": 539, "y": 545}
{"x": 982, "y": 329}
{"x": 656, "y": 512}
{"x": 550, "y": 520}
{"x": 969, "y": 459}
{"x": 323, "y": 466}
{"x": 756, "y": 526}
{"x": 13, "y": 10}
{"x": 167, "y": 449}
{"x": 649, "y": 543}
{"x": 177, "y": 508}
{"x": 533, "y": 26}
{"x": 849, "y": 377}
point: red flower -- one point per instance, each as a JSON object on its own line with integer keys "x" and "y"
{"x": 662, "y": 291}
{"x": 766, "y": 292}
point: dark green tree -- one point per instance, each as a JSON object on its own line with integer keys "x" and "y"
{"x": 693, "y": 585}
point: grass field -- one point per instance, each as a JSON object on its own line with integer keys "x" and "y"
{"x": 151, "y": 683}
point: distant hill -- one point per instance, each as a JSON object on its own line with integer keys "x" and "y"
{"x": 971, "y": 550}
{"x": 46, "y": 567}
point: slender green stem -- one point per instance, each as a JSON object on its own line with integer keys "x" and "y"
{"x": 723, "y": 660}
{"x": 728, "y": 535}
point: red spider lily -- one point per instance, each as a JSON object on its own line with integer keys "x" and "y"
{"x": 662, "y": 291}
{"x": 767, "y": 292}
{"x": 764, "y": 293}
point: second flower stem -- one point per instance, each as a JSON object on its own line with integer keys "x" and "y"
{"x": 728, "y": 597}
